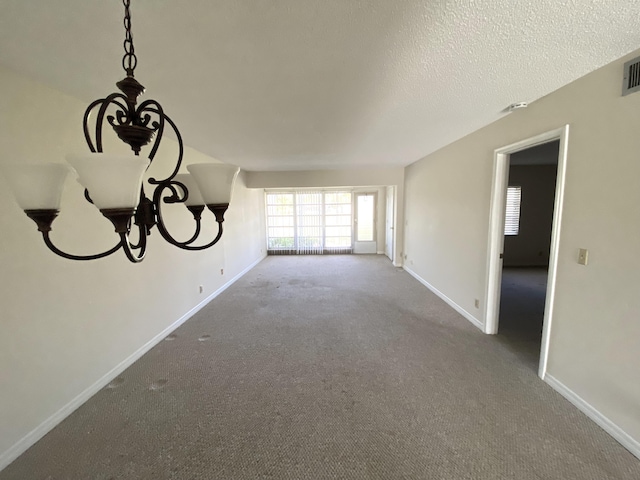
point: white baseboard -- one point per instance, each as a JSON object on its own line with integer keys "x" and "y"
{"x": 626, "y": 440}
{"x": 451, "y": 303}
{"x": 41, "y": 430}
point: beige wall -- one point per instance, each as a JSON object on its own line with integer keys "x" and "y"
{"x": 595, "y": 337}
{"x": 369, "y": 179}
{"x": 66, "y": 324}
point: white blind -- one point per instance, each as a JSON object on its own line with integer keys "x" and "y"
{"x": 512, "y": 214}
{"x": 309, "y": 222}
{"x": 280, "y": 221}
{"x": 337, "y": 221}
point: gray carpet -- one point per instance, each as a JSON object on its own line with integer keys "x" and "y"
{"x": 327, "y": 367}
{"x": 522, "y": 298}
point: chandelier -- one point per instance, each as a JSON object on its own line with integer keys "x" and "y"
{"x": 114, "y": 183}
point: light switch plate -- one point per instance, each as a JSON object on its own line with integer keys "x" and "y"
{"x": 583, "y": 256}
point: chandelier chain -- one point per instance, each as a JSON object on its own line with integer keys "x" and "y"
{"x": 129, "y": 60}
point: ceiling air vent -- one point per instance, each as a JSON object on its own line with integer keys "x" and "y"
{"x": 631, "y": 82}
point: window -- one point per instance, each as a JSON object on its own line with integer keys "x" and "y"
{"x": 337, "y": 220}
{"x": 309, "y": 222}
{"x": 365, "y": 217}
{"x": 280, "y": 224}
{"x": 512, "y": 215}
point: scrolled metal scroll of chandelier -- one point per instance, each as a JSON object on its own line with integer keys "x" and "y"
{"x": 114, "y": 183}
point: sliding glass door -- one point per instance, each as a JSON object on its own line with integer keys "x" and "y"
{"x": 309, "y": 222}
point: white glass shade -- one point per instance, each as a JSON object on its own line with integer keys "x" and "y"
{"x": 215, "y": 181}
{"x": 37, "y": 187}
{"x": 195, "y": 198}
{"x": 113, "y": 181}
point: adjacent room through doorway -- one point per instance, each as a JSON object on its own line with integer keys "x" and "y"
{"x": 527, "y": 242}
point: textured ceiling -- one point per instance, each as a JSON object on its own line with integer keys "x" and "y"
{"x": 308, "y": 84}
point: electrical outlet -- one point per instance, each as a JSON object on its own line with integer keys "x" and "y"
{"x": 583, "y": 256}
{"x": 222, "y": 271}
{"x": 201, "y": 288}
{"x": 477, "y": 303}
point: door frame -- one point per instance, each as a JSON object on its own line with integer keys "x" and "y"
{"x": 390, "y": 224}
{"x": 496, "y": 234}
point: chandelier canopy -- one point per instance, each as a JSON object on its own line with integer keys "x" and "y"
{"x": 114, "y": 183}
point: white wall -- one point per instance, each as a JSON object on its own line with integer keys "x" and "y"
{"x": 66, "y": 324}
{"x": 595, "y": 337}
{"x": 366, "y": 179}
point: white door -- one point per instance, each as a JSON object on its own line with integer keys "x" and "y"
{"x": 388, "y": 245}
{"x": 365, "y": 223}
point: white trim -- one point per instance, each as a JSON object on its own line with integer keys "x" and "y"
{"x": 451, "y": 303}
{"x": 397, "y": 264}
{"x": 41, "y": 430}
{"x": 380, "y": 253}
{"x": 496, "y": 241}
{"x": 626, "y": 440}
{"x": 390, "y": 230}
{"x": 496, "y": 234}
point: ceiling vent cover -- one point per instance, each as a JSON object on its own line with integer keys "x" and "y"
{"x": 631, "y": 82}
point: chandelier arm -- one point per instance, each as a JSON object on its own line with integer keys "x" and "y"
{"x": 143, "y": 108}
{"x": 57, "y": 251}
{"x": 104, "y": 104}
{"x": 87, "y": 114}
{"x": 167, "y": 119}
{"x": 85, "y": 124}
{"x": 210, "y": 244}
{"x": 121, "y": 220}
{"x": 196, "y": 234}
{"x": 175, "y": 198}
{"x": 142, "y": 238}
{"x": 128, "y": 248}
{"x": 185, "y": 246}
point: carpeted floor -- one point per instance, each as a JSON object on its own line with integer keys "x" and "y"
{"x": 327, "y": 367}
{"x": 522, "y": 299}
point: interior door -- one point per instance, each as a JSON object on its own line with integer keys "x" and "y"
{"x": 365, "y": 223}
{"x": 388, "y": 245}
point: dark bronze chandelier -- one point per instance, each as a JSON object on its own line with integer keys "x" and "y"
{"x": 113, "y": 183}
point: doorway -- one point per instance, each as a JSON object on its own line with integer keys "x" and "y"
{"x": 527, "y": 243}
{"x": 365, "y": 223}
{"x": 497, "y": 243}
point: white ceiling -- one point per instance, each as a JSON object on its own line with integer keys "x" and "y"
{"x": 315, "y": 84}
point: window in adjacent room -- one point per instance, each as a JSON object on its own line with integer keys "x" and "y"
{"x": 512, "y": 215}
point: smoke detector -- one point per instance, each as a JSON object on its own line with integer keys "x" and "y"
{"x": 517, "y": 106}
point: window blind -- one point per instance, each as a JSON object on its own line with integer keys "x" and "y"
{"x": 512, "y": 213}
{"x": 309, "y": 222}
